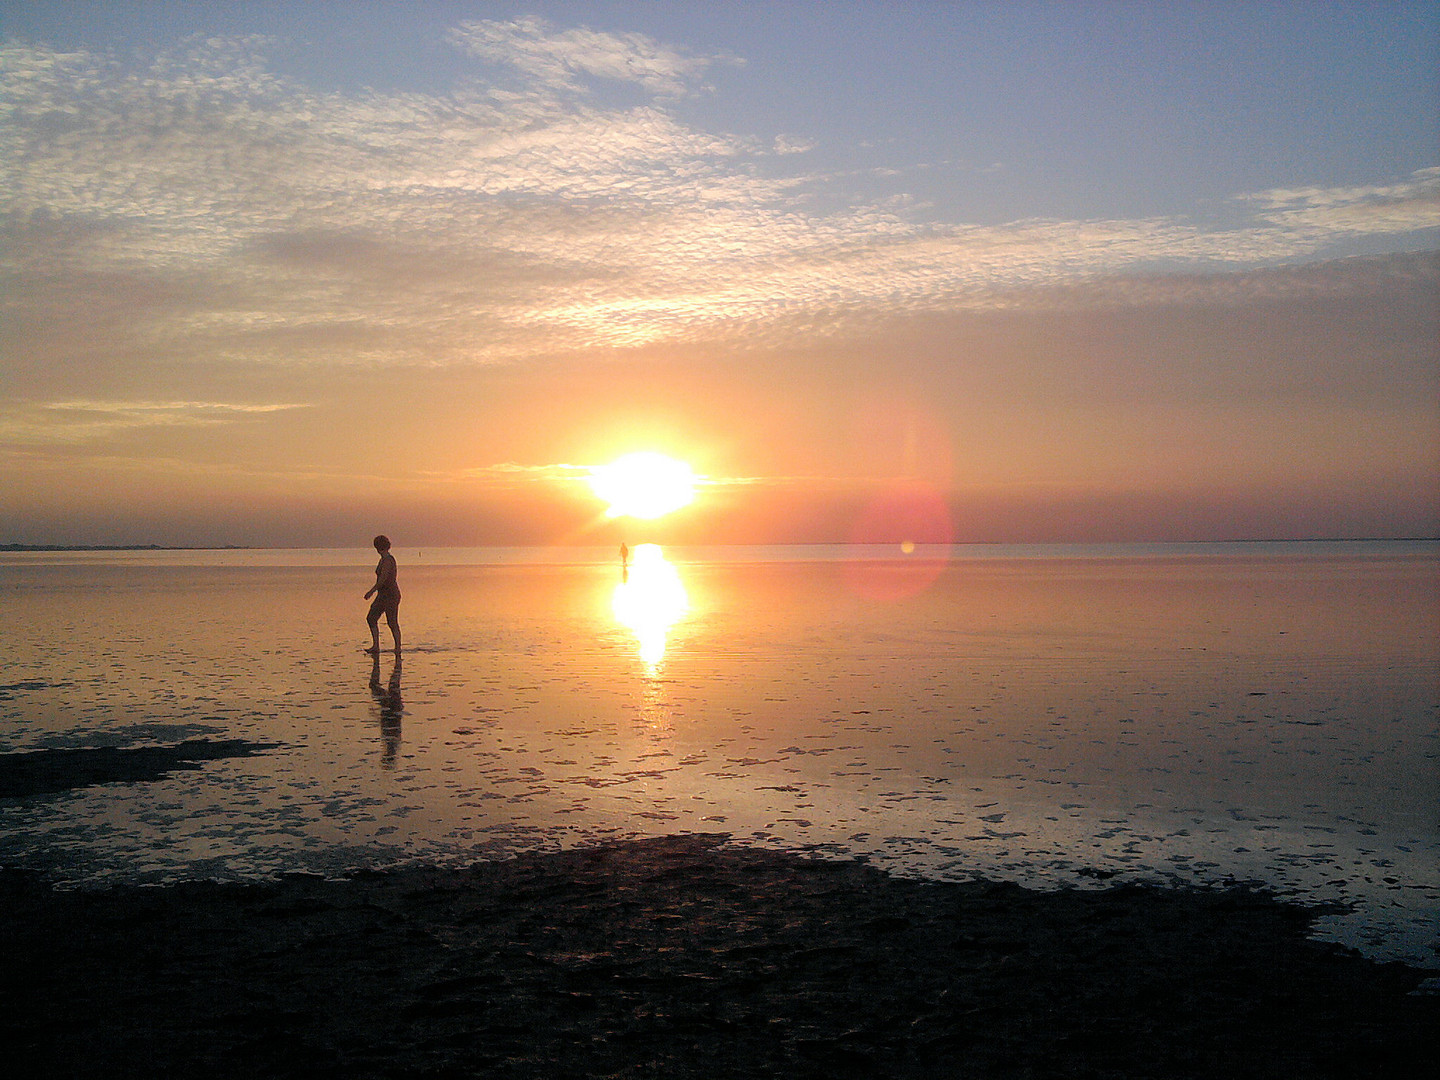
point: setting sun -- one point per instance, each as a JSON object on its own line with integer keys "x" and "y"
{"x": 643, "y": 485}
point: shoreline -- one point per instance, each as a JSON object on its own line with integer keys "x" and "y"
{"x": 686, "y": 956}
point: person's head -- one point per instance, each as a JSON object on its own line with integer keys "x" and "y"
{"x": 382, "y": 543}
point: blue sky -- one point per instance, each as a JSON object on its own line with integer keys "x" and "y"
{"x": 1158, "y": 270}
{"x": 1087, "y": 109}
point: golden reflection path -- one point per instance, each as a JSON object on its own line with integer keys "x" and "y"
{"x": 649, "y": 601}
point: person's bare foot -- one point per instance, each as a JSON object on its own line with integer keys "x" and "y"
{"x": 373, "y": 651}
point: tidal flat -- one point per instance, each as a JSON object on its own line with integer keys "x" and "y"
{"x": 1247, "y": 728}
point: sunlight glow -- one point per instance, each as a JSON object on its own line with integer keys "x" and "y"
{"x": 650, "y": 601}
{"x": 643, "y": 485}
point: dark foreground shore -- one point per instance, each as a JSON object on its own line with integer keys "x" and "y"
{"x": 684, "y": 957}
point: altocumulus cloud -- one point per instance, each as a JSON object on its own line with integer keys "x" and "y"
{"x": 1391, "y": 209}
{"x": 243, "y": 216}
{"x": 561, "y": 59}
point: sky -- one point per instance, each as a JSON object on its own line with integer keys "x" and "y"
{"x": 288, "y": 274}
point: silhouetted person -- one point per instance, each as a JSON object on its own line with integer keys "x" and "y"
{"x": 392, "y": 708}
{"x": 387, "y": 597}
{"x": 624, "y": 561}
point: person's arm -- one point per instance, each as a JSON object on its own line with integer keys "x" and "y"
{"x": 379, "y": 569}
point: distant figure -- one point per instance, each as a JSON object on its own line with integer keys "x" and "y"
{"x": 387, "y": 598}
{"x": 624, "y": 561}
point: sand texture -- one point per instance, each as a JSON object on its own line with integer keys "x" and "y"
{"x": 688, "y": 957}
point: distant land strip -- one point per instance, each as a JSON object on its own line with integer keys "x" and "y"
{"x": 124, "y": 547}
{"x": 834, "y": 543}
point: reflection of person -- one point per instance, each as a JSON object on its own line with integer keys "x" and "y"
{"x": 387, "y": 597}
{"x": 624, "y": 560}
{"x": 392, "y": 708}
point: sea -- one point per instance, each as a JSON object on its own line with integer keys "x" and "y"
{"x": 1061, "y": 716}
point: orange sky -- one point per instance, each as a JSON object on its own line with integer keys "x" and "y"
{"x": 1173, "y": 420}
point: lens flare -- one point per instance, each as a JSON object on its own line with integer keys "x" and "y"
{"x": 913, "y": 519}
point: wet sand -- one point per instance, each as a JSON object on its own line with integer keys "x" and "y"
{"x": 1256, "y": 716}
{"x": 687, "y": 956}
{"x": 46, "y": 772}
{"x": 1091, "y": 721}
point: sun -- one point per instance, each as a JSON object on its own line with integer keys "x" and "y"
{"x": 643, "y": 485}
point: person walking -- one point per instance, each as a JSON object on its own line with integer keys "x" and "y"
{"x": 386, "y": 591}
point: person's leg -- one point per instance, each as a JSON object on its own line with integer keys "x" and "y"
{"x": 373, "y": 618}
{"x": 392, "y": 617}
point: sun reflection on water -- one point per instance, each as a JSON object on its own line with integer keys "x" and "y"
{"x": 649, "y": 601}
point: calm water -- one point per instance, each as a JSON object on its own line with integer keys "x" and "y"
{"x": 1047, "y": 715}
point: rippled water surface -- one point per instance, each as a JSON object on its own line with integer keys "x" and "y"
{"x": 1047, "y": 715}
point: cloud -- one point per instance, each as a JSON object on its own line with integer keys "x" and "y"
{"x": 1423, "y": 184}
{"x": 561, "y": 59}
{"x": 199, "y": 205}
{"x": 793, "y": 144}
{"x": 1381, "y": 278}
{"x": 166, "y": 409}
{"x": 83, "y": 420}
{"x": 1409, "y": 206}
{"x": 513, "y": 472}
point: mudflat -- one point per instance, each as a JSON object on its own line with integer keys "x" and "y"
{"x": 45, "y": 772}
{"x": 687, "y": 956}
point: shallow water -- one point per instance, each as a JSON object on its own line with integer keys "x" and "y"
{"x": 1048, "y": 715}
